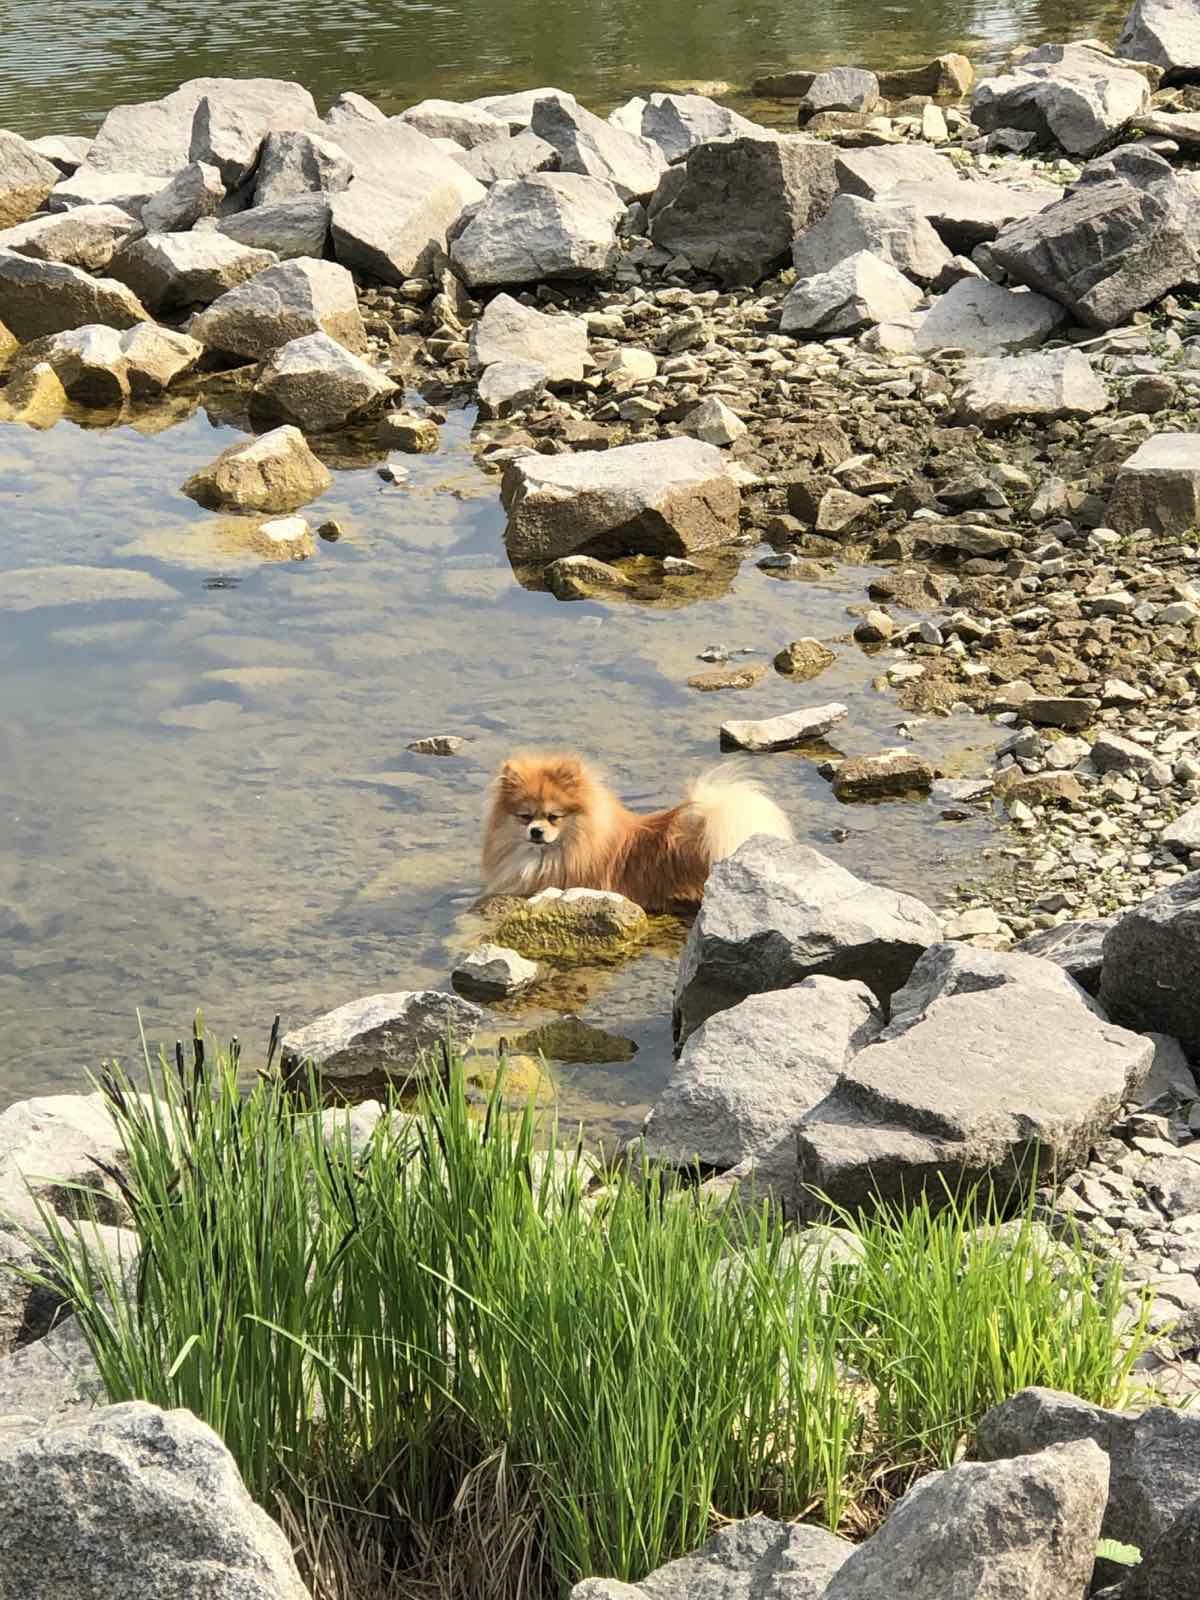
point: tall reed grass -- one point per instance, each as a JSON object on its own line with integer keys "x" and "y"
{"x": 459, "y": 1355}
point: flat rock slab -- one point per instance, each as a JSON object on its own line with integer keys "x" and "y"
{"x": 1151, "y": 958}
{"x": 988, "y": 1530}
{"x": 746, "y": 1077}
{"x": 42, "y": 297}
{"x": 1165, "y": 32}
{"x": 775, "y": 913}
{"x": 891, "y": 773}
{"x": 986, "y": 320}
{"x": 1051, "y": 386}
{"x": 380, "y": 1041}
{"x": 1159, "y": 486}
{"x": 966, "y": 212}
{"x": 1076, "y": 947}
{"x": 511, "y": 332}
{"x": 669, "y": 497}
{"x": 786, "y": 732}
{"x": 32, "y": 588}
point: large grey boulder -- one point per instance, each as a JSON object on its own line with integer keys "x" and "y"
{"x": 1164, "y": 32}
{"x": 989, "y": 1530}
{"x": 775, "y": 913}
{"x": 858, "y": 292}
{"x": 840, "y": 89}
{"x": 669, "y": 497}
{"x": 290, "y": 228}
{"x": 98, "y": 366}
{"x": 134, "y": 1499}
{"x": 966, "y": 212}
{"x": 195, "y": 191}
{"x": 677, "y": 123}
{"x": 228, "y": 130}
{"x": 281, "y": 304}
{"x": 1107, "y": 248}
{"x": 511, "y": 159}
{"x": 589, "y": 145}
{"x": 132, "y": 191}
{"x": 1046, "y": 387}
{"x": 549, "y": 225}
{"x": 509, "y": 331}
{"x": 733, "y": 208}
{"x": 1069, "y": 95}
{"x": 746, "y": 1076}
{"x": 1150, "y": 965}
{"x": 26, "y": 179}
{"x": 319, "y": 384}
{"x": 517, "y": 109}
{"x": 468, "y": 125}
{"x": 275, "y": 472}
{"x": 1158, "y": 487}
{"x": 876, "y": 171}
{"x": 972, "y": 1084}
{"x": 1076, "y": 947}
{"x": 172, "y": 271}
{"x": 755, "y": 1559}
{"x": 156, "y": 136}
{"x": 297, "y": 162}
{"x": 1167, "y": 1570}
{"x": 1154, "y": 1455}
{"x": 984, "y": 319}
{"x": 42, "y": 297}
{"x": 68, "y": 151}
{"x": 946, "y": 970}
{"x": 381, "y": 1040}
{"x": 49, "y": 1150}
{"x": 87, "y": 237}
{"x": 896, "y": 233}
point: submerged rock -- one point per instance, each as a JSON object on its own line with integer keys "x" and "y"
{"x": 381, "y": 1041}
{"x": 277, "y": 472}
{"x": 670, "y": 497}
{"x": 573, "y": 925}
{"x": 893, "y": 772}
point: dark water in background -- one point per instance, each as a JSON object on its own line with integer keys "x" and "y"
{"x": 62, "y": 65}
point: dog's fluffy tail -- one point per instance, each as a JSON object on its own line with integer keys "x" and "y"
{"x": 733, "y": 809}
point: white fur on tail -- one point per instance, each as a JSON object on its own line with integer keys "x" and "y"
{"x": 733, "y": 809}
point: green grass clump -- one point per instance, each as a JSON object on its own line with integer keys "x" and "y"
{"x": 455, "y": 1355}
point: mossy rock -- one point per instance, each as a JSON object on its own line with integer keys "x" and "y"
{"x": 525, "y": 1080}
{"x": 571, "y": 1039}
{"x": 577, "y": 925}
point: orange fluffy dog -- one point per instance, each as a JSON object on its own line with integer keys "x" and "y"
{"x": 553, "y": 823}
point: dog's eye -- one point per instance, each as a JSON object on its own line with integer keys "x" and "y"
{"x": 554, "y": 816}
{"x": 525, "y": 816}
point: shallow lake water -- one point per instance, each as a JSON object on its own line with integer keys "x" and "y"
{"x": 62, "y": 66}
{"x": 205, "y": 794}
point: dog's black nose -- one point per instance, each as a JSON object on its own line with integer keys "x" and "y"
{"x": 537, "y": 835}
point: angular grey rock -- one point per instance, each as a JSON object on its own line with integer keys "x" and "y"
{"x": 962, "y": 1096}
{"x": 966, "y": 212}
{"x": 1046, "y": 387}
{"x": 1150, "y": 957}
{"x": 859, "y": 292}
{"x": 508, "y": 331}
{"x": 172, "y": 271}
{"x": 669, "y": 497}
{"x": 506, "y": 386}
{"x": 714, "y": 422}
{"x": 517, "y": 157}
{"x": 281, "y": 304}
{"x": 68, "y": 151}
{"x": 1164, "y": 32}
{"x": 1154, "y": 1454}
{"x": 468, "y": 125}
{"x": 1167, "y": 1570}
{"x": 41, "y": 297}
{"x": 492, "y": 972}
{"x": 985, "y": 320}
{"x": 98, "y": 366}
{"x": 402, "y": 230}
{"x": 1106, "y": 249}
{"x": 298, "y": 163}
{"x": 755, "y": 1559}
{"x": 896, "y": 233}
{"x": 156, "y": 136}
{"x": 381, "y": 1040}
{"x": 775, "y": 913}
{"x": 1067, "y": 95}
{"x": 275, "y": 472}
{"x": 131, "y": 1498}
{"x": 517, "y": 109}
{"x": 26, "y": 179}
{"x": 874, "y": 172}
{"x": 788, "y": 731}
{"x": 195, "y": 191}
{"x": 319, "y": 384}
{"x": 352, "y": 110}
{"x": 990, "y": 1530}
{"x": 840, "y": 89}
{"x": 587, "y": 144}
{"x": 550, "y": 225}
{"x": 49, "y": 1147}
{"x": 46, "y": 1383}
{"x": 746, "y": 1076}
{"x": 1158, "y": 487}
{"x": 87, "y": 237}
{"x": 1112, "y": 753}
{"x": 782, "y": 186}
{"x": 85, "y": 187}
{"x": 292, "y": 228}
{"x": 677, "y": 123}
{"x": 1077, "y": 947}
{"x": 1183, "y": 835}
{"x": 228, "y": 130}
{"x": 947, "y": 970}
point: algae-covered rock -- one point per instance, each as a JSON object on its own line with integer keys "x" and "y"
{"x": 523, "y": 1079}
{"x": 572, "y": 1039}
{"x": 573, "y": 925}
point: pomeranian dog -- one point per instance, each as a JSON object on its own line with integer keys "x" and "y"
{"x": 552, "y": 823}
